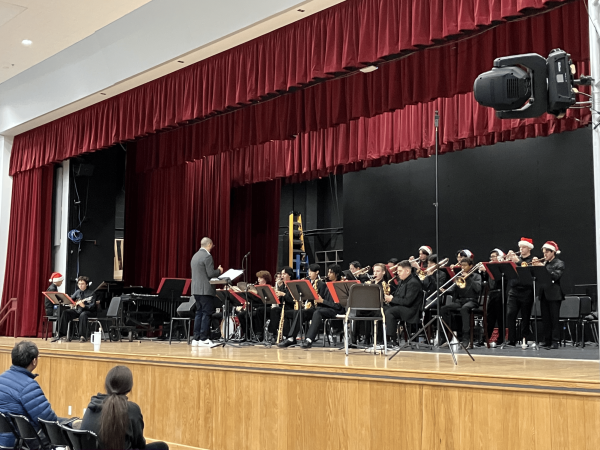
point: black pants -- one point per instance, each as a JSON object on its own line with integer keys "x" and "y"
{"x": 158, "y": 445}
{"x": 204, "y": 310}
{"x": 550, "y": 319}
{"x": 67, "y": 315}
{"x": 318, "y": 316}
{"x": 522, "y": 301}
{"x": 495, "y": 316}
{"x": 464, "y": 305}
{"x": 295, "y": 327}
{"x": 393, "y": 314}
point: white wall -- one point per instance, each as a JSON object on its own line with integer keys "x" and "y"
{"x": 61, "y": 218}
{"x": 5, "y": 197}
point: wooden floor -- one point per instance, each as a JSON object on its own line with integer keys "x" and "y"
{"x": 254, "y": 397}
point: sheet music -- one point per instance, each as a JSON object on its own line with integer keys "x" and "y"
{"x": 232, "y": 274}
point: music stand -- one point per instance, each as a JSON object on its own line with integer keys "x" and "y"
{"x": 505, "y": 271}
{"x": 173, "y": 288}
{"x": 349, "y": 275}
{"x": 269, "y": 297}
{"x": 301, "y": 290}
{"x": 534, "y": 276}
{"x": 62, "y": 300}
{"x": 340, "y": 290}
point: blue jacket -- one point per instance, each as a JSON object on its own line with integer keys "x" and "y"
{"x": 21, "y": 394}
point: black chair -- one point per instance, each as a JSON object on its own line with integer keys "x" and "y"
{"x": 7, "y": 426}
{"x": 574, "y": 309}
{"x": 81, "y": 439}
{"x": 480, "y": 311}
{"x": 46, "y": 321}
{"x": 186, "y": 311}
{"x": 54, "y": 433}
{"x": 29, "y": 435}
{"x": 327, "y": 325}
{"x": 369, "y": 298}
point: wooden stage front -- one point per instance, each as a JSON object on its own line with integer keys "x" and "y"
{"x": 258, "y": 398}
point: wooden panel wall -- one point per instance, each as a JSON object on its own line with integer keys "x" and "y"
{"x": 220, "y": 410}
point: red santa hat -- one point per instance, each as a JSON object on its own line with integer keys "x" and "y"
{"x": 56, "y": 277}
{"x": 551, "y": 245}
{"x": 425, "y": 249}
{"x": 526, "y": 242}
{"x": 469, "y": 253}
{"x": 501, "y": 254}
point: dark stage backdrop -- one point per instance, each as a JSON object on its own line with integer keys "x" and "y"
{"x": 490, "y": 196}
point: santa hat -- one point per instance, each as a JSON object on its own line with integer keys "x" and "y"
{"x": 469, "y": 253}
{"x": 526, "y": 242}
{"x": 56, "y": 277}
{"x": 425, "y": 249}
{"x": 501, "y": 254}
{"x": 551, "y": 245}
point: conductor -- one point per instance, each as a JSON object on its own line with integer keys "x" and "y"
{"x": 203, "y": 270}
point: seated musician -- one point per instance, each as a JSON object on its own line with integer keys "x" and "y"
{"x": 460, "y": 255}
{"x": 406, "y": 302}
{"x": 520, "y": 297}
{"x": 285, "y": 298}
{"x": 551, "y": 296}
{"x": 430, "y": 283}
{"x": 380, "y": 276}
{"x": 85, "y": 306}
{"x": 308, "y": 309}
{"x": 56, "y": 280}
{"x": 465, "y": 299}
{"x": 494, "y": 304}
{"x": 355, "y": 266}
{"x": 392, "y": 262}
{"x": 263, "y": 278}
{"x": 327, "y": 308}
{"x": 421, "y": 263}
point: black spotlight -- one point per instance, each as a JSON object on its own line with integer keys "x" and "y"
{"x": 524, "y": 86}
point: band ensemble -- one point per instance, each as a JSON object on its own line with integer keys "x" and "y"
{"x": 409, "y": 290}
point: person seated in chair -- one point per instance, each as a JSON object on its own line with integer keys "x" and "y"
{"x": 21, "y": 394}
{"x": 85, "y": 306}
{"x": 465, "y": 299}
{"x": 117, "y": 421}
{"x": 406, "y": 302}
{"x": 327, "y": 308}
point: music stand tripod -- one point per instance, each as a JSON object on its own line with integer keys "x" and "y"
{"x": 301, "y": 290}
{"x": 505, "y": 271}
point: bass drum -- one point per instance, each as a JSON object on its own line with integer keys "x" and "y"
{"x": 233, "y": 325}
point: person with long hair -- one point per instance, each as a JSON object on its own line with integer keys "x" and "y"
{"x": 117, "y": 421}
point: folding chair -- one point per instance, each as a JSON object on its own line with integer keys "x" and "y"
{"x": 81, "y": 439}
{"x": 7, "y": 426}
{"x": 54, "y": 433}
{"x": 369, "y": 298}
{"x": 29, "y": 435}
{"x": 185, "y": 311}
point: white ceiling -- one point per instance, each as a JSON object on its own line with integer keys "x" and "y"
{"x": 75, "y": 58}
{"x": 52, "y": 26}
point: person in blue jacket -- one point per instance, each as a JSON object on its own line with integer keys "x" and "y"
{"x": 20, "y": 393}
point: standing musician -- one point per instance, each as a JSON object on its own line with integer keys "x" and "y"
{"x": 465, "y": 299}
{"x": 204, "y": 292}
{"x": 406, "y": 302}
{"x": 551, "y": 296}
{"x": 56, "y": 280}
{"x": 309, "y": 307}
{"x": 85, "y": 305}
{"x": 520, "y": 297}
{"x": 494, "y": 305}
{"x": 421, "y": 263}
{"x": 327, "y": 308}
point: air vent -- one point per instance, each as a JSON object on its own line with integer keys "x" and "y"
{"x": 512, "y": 87}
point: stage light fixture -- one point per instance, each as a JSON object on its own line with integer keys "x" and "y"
{"x": 528, "y": 85}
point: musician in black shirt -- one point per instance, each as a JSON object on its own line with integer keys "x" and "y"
{"x": 551, "y": 296}
{"x": 85, "y": 306}
{"x": 520, "y": 297}
{"x": 494, "y": 304}
{"x": 465, "y": 299}
{"x": 406, "y": 302}
{"x": 285, "y": 298}
{"x": 326, "y": 307}
{"x": 56, "y": 280}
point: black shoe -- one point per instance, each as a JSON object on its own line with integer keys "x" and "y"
{"x": 82, "y": 339}
{"x": 546, "y": 345}
{"x": 306, "y": 344}
{"x": 511, "y": 344}
{"x": 285, "y": 343}
{"x": 554, "y": 346}
{"x": 467, "y": 345}
{"x": 55, "y": 338}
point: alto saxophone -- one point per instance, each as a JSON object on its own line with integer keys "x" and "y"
{"x": 315, "y": 284}
{"x": 386, "y": 288}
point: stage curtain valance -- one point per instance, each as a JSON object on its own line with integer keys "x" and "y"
{"x": 29, "y": 248}
{"x": 323, "y": 45}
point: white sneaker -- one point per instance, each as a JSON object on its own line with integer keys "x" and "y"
{"x": 205, "y": 343}
{"x": 195, "y": 343}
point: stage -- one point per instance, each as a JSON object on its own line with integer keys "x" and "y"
{"x": 267, "y": 398}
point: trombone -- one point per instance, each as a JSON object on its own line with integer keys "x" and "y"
{"x": 461, "y": 281}
{"x": 441, "y": 290}
{"x": 422, "y": 274}
{"x": 525, "y": 264}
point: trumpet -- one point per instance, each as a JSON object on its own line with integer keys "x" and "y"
{"x": 362, "y": 271}
{"x": 524, "y": 264}
{"x": 422, "y": 274}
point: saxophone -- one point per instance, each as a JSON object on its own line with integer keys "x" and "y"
{"x": 315, "y": 284}
{"x": 280, "y": 329}
{"x": 386, "y": 287}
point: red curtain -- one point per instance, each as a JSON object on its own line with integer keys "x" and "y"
{"x": 169, "y": 211}
{"x": 323, "y": 45}
{"x": 29, "y": 253}
{"x": 255, "y": 226}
